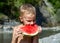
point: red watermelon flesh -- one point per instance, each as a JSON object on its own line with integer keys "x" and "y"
{"x": 30, "y": 29}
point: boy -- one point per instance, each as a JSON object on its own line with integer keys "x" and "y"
{"x": 27, "y": 16}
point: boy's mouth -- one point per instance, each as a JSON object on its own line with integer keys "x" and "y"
{"x": 30, "y": 24}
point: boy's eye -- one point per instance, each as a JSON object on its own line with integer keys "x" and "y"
{"x": 33, "y": 20}
{"x": 30, "y": 20}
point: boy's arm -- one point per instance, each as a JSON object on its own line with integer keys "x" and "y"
{"x": 13, "y": 36}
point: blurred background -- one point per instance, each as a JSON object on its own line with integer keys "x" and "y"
{"x": 48, "y": 16}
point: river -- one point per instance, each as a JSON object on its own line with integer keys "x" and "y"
{"x": 47, "y": 36}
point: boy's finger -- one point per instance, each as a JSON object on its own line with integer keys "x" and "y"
{"x": 20, "y": 35}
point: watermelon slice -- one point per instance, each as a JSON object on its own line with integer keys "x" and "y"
{"x": 30, "y": 30}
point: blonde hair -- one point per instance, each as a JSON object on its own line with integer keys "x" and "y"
{"x": 27, "y": 7}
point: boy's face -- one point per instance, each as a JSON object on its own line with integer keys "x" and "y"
{"x": 28, "y": 18}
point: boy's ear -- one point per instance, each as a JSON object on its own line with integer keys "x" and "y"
{"x": 21, "y": 19}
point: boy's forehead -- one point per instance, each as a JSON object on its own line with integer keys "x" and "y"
{"x": 28, "y": 13}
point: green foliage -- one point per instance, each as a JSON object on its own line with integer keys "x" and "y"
{"x": 55, "y": 3}
{"x": 33, "y": 2}
{"x": 2, "y": 16}
{"x": 17, "y": 3}
{"x": 1, "y": 4}
{"x": 13, "y": 6}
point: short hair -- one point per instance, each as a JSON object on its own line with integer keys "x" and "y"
{"x": 27, "y": 7}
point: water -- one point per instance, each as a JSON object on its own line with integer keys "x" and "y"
{"x": 51, "y": 39}
{"x": 6, "y": 31}
{"x": 1, "y": 35}
{"x": 7, "y": 37}
{"x": 47, "y": 36}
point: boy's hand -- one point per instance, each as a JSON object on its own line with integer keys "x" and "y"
{"x": 40, "y": 29}
{"x": 18, "y": 33}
